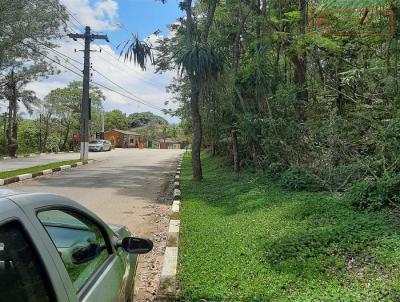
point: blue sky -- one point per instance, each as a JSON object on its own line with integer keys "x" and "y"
{"x": 104, "y": 16}
{"x": 145, "y": 16}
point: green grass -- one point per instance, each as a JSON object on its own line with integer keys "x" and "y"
{"x": 245, "y": 239}
{"x": 30, "y": 170}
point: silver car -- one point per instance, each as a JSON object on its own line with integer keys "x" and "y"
{"x": 53, "y": 249}
{"x": 100, "y": 145}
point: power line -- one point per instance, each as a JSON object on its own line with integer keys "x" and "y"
{"x": 101, "y": 85}
{"x": 71, "y": 14}
{"x": 127, "y": 91}
{"x": 44, "y": 55}
{"x": 130, "y": 69}
{"x": 131, "y": 97}
{"x": 128, "y": 97}
{"x": 62, "y": 54}
{"x": 107, "y": 52}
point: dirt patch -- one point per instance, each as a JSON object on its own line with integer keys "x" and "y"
{"x": 149, "y": 266}
{"x": 165, "y": 196}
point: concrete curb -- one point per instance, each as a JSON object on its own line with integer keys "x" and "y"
{"x": 35, "y": 154}
{"x": 168, "y": 289}
{"x": 22, "y": 177}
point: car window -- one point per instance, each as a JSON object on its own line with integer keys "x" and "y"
{"x": 22, "y": 275}
{"x": 79, "y": 242}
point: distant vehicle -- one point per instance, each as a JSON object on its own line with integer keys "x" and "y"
{"x": 53, "y": 249}
{"x": 100, "y": 145}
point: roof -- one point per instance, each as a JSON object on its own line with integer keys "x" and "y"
{"x": 125, "y": 132}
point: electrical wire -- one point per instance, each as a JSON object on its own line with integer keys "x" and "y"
{"x": 128, "y": 97}
{"x": 103, "y": 49}
{"x": 116, "y": 84}
{"x": 98, "y": 84}
{"x": 44, "y": 55}
{"x": 131, "y": 96}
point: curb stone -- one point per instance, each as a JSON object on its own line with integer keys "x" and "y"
{"x": 177, "y": 194}
{"x": 22, "y": 177}
{"x": 168, "y": 288}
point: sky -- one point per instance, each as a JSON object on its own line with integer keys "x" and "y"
{"x": 118, "y": 19}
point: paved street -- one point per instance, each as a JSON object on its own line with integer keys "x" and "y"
{"x": 124, "y": 187}
{"x": 26, "y": 162}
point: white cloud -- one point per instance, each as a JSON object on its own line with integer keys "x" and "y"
{"x": 103, "y": 15}
{"x": 145, "y": 85}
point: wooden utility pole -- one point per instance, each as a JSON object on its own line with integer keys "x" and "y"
{"x": 85, "y": 107}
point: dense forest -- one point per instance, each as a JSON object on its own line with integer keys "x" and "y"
{"x": 270, "y": 86}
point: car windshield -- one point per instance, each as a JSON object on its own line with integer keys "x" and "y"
{"x": 95, "y": 142}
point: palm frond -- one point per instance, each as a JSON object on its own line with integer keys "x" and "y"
{"x": 200, "y": 61}
{"x": 138, "y": 51}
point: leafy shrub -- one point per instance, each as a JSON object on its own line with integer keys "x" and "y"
{"x": 341, "y": 177}
{"x": 376, "y": 194}
{"x": 297, "y": 178}
{"x": 275, "y": 170}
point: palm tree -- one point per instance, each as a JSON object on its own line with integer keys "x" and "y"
{"x": 13, "y": 90}
{"x": 200, "y": 62}
{"x": 196, "y": 58}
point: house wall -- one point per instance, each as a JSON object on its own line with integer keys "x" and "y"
{"x": 120, "y": 140}
{"x": 115, "y": 137}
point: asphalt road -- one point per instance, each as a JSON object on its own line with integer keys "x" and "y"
{"x": 38, "y": 160}
{"x": 123, "y": 187}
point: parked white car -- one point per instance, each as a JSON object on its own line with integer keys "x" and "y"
{"x": 100, "y": 145}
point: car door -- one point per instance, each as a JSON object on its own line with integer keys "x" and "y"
{"x": 83, "y": 247}
{"x": 26, "y": 269}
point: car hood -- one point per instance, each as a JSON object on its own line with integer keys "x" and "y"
{"x": 95, "y": 144}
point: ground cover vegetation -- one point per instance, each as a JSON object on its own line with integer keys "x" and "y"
{"x": 245, "y": 238}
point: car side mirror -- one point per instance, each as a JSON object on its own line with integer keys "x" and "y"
{"x": 134, "y": 245}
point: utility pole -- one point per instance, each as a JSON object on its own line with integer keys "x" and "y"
{"x": 102, "y": 121}
{"x": 85, "y": 107}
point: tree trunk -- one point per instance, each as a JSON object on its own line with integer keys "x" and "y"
{"x": 300, "y": 64}
{"x": 340, "y": 99}
{"x": 66, "y": 137}
{"x": 300, "y": 70}
{"x": 12, "y": 143}
{"x": 40, "y": 149}
{"x": 196, "y": 124}
{"x": 236, "y": 167}
{"x": 46, "y": 133}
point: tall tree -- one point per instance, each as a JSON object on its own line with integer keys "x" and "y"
{"x": 63, "y": 104}
{"x": 13, "y": 90}
{"x": 27, "y": 30}
{"x": 116, "y": 119}
{"x": 197, "y": 60}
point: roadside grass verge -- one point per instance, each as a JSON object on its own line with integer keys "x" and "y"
{"x": 243, "y": 238}
{"x": 12, "y": 173}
